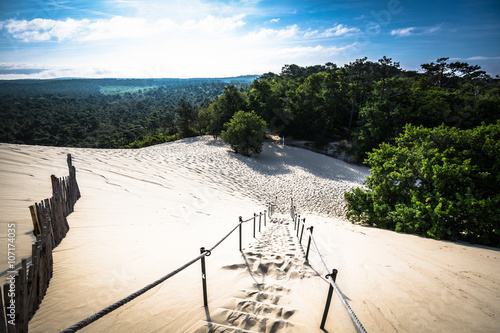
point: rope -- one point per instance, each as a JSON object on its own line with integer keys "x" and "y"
{"x": 98, "y": 315}
{"x": 317, "y": 250}
{"x": 223, "y": 239}
{"x": 354, "y": 318}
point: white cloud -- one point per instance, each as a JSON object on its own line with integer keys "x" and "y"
{"x": 483, "y": 58}
{"x": 265, "y": 34}
{"x": 475, "y": 58}
{"x": 339, "y": 30}
{"x": 336, "y": 31}
{"x": 411, "y": 31}
{"x": 219, "y": 25}
{"x": 69, "y": 29}
{"x": 309, "y": 51}
{"x": 275, "y": 20}
{"x": 127, "y": 3}
{"x": 404, "y": 32}
{"x": 206, "y": 45}
{"x": 294, "y": 31}
{"x": 117, "y": 27}
{"x": 432, "y": 30}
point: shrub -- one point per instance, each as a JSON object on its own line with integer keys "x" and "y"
{"x": 441, "y": 183}
{"x": 151, "y": 141}
{"x": 245, "y": 132}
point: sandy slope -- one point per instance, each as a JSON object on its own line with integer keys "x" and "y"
{"x": 145, "y": 212}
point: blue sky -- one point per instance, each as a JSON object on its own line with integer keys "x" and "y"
{"x": 217, "y": 38}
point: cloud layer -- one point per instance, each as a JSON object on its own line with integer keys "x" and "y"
{"x": 161, "y": 47}
{"x": 177, "y": 38}
{"x": 118, "y": 27}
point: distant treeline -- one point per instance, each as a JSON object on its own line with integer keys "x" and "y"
{"x": 99, "y": 113}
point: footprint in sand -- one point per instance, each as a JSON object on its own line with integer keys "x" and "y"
{"x": 263, "y": 307}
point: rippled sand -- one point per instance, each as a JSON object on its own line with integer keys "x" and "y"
{"x": 145, "y": 212}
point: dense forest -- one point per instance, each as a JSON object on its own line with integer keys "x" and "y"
{"x": 99, "y": 113}
{"x": 364, "y": 102}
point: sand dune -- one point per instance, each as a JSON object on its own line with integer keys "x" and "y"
{"x": 145, "y": 212}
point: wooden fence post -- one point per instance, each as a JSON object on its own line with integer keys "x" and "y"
{"x": 50, "y": 226}
{"x": 3, "y": 319}
{"x": 8, "y": 315}
{"x": 36, "y": 226}
{"x": 24, "y": 294}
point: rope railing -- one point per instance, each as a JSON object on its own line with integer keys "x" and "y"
{"x": 203, "y": 253}
{"x": 98, "y": 315}
{"x": 330, "y": 277}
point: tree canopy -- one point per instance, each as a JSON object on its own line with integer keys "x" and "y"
{"x": 102, "y": 113}
{"x": 245, "y": 133}
{"x": 441, "y": 183}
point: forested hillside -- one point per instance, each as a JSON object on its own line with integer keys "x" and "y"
{"x": 101, "y": 113}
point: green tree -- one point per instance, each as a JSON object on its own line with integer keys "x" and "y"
{"x": 186, "y": 116}
{"x": 263, "y": 100}
{"x": 439, "y": 72}
{"x": 359, "y": 77}
{"x": 385, "y": 70}
{"x": 245, "y": 132}
{"x": 222, "y": 109}
{"x": 308, "y": 109}
{"x": 441, "y": 183}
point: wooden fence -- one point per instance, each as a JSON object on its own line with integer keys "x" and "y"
{"x": 22, "y": 294}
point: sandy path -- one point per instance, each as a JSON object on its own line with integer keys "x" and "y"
{"x": 271, "y": 301}
{"x": 145, "y": 212}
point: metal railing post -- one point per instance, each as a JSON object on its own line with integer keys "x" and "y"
{"x": 265, "y": 212}
{"x": 309, "y": 242}
{"x": 241, "y": 222}
{"x": 329, "y": 297}
{"x": 302, "y": 232}
{"x": 204, "y": 278}
{"x": 298, "y": 225}
{"x": 254, "y": 215}
{"x": 260, "y": 219}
